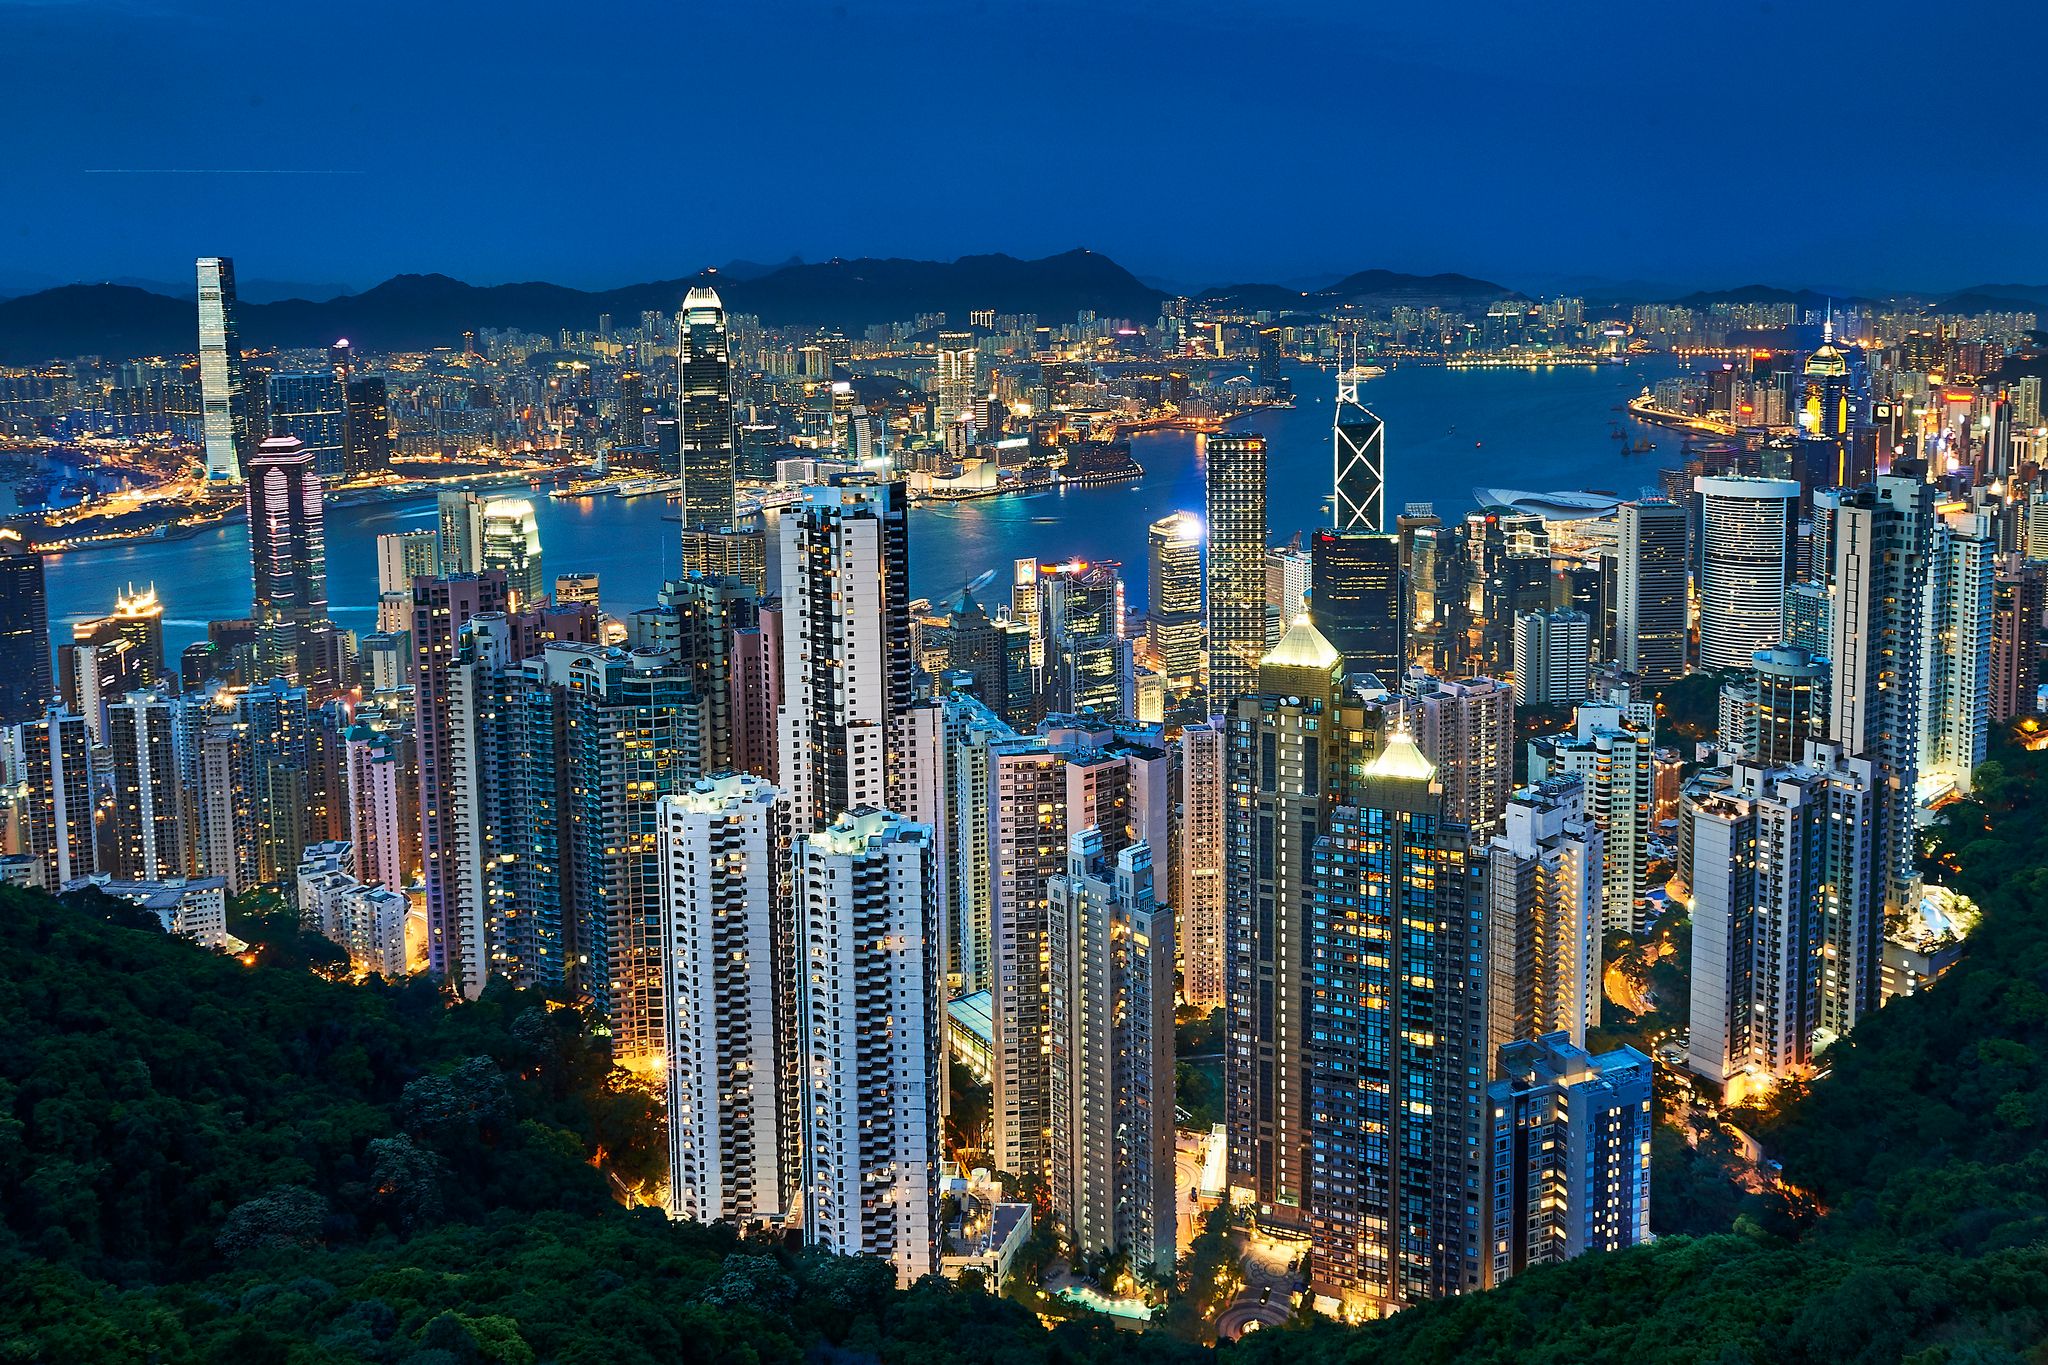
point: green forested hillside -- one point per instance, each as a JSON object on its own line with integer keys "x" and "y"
{"x": 201, "y": 1160}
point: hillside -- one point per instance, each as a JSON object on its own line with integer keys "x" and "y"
{"x": 416, "y": 312}
{"x": 202, "y": 1161}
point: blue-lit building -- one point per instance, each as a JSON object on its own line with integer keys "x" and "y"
{"x": 1570, "y": 1152}
{"x": 1397, "y": 1025}
{"x": 312, "y": 407}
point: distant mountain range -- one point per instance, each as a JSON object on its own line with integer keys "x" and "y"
{"x": 417, "y": 312}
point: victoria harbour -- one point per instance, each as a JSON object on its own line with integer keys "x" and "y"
{"x": 1449, "y": 430}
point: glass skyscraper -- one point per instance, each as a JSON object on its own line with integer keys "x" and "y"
{"x": 224, "y": 416}
{"x": 704, "y": 368}
{"x": 314, "y": 408}
{"x": 24, "y": 632}
{"x": 1236, "y": 480}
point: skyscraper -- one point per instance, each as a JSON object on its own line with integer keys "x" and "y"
{"x": 1651, "y": 580}
{"x": 1570, "y": 1153}
{"x": 52, "y": 758}
{"x": 459, "y": 532}
{"x": 224, "y": 417}
{"x": 1955, "y": 636}
{"x": 1198, "y": 897}
{"x": 959, "y": 366}
{"x": 1612, "y": 748}
{"x": 868, "y": 1010}
{"x": 1355, "y": 586}
{"x": 146, "y": 840}
{"x": 1883, "y": 535}
{"x": 25, "y": 686}
{"x": 2019, "y": 599}
{"x": 1397, "y": 1165}
{"x": 313, "y": 407}
{"x": 730, "y": 993}
{"x": 1544, "y": 912}
{"x": 704, "y": 369}
{"x": 288, "y": 558}
{"x": 1236, "y": 597}
{"x": 846, "y": 658}
{"x": 511, "y": 544}
{"x": 1747, "y": 532}
{"x": 1110, "y": 946}
{"x": 1553, "y": 652}
{"x": 1467, "y": 729}
{"x": 1174, "y": 623}
{"x": 369, "y": 426}
{"x": 1360, "y": 442}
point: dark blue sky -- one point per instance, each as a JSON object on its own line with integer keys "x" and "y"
{"x": 1845, "y": 145}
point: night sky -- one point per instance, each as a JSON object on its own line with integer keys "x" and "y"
{"x": 1848, "y": 146}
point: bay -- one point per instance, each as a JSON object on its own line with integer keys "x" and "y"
{"x": 1448, "y": 431}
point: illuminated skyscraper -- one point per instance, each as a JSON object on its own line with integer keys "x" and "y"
{"x": 1955, "y": 636}
{"x": 1747, "y": 532}
{"x": 868, "y": 1011}
{"x": 511, "y": 543}
{"x": 1236, "y": 599}
{"x": 224, "y": 417}
{"x": 846, "y": 656}
{"x": 1396, "y": 996}
{"x": 1174, "y": 623}
{"x": 1198, "y": 897}
{"x": 25, "y": 686}
{"x": 313, "y": 407}
{"x": 1544, "y": 917}
{"x": 288, "y": 557}
{"x": 146, "y": 842}
{"x": 959, "y": 367}
{"x": 704, "y": 367}
{"x": 1360, "y": 441}
{"x": 1652, "y": 574}
{"x": 51, "y": 757}
{"x": 730, "y": 988}
{"x": 1355, "y": 586}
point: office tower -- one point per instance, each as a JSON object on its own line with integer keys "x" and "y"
{"x": 1438, "y": 596}
{"x": 1747, "y": 533}
{"x": 576, "y": 590}
{"x": 1778, "y": 865}
{"x": 1279, "y": 754}
{"x": 629, "y": 426}
{"x": 729, "y": 982}
{"x": 1086, "y": 656}
{"x": 1652, "y": 573}
{"x": 383, "y": 792}
{"x": 146, "y": 840}
{"x": 868, "y": 1041}
{"x": 956, "y": 378}
{"x": 1288, "y": 579}
{"x": 1467, "y": 729}
{"x": 1570, "y": 1153}
{"x": 510, "y": 538}
{"x": 441, "y": 607}
{"x": 139, "y": 618}
{"x": 1544, "y": 908}
{"x": 1199, "y": 891}
{"x": 312, "y": 408}
{"x": 1553, "y": 664}
{"x": 288, "y": 559}
{"x": 1883, "y": 534}
{"x": 2019, "y": 597}
{"x": 1236, "y": 598}
{"x": 704, "y": 377}
{"x": 1955, "y": 636}
{"x": 368, "y": 427}
{"x": 1174, "y": 623}
{"x": 1355, "y": 584}
{"x": 1612, "y": 748}
{"x": 403, "y": 556}
{"x": 846, "y": 661}
{"x": 1396, "y": 1161}
{"x": 1360, "y": 445}
{"x": 225, "y": 419}
{"x": 1112, "y": 1105}
{"x": 25, "y": 686}
{"x": 459, "y": 532}
{"x": 994, "y": 656}
{"x": 695, "y": 618}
